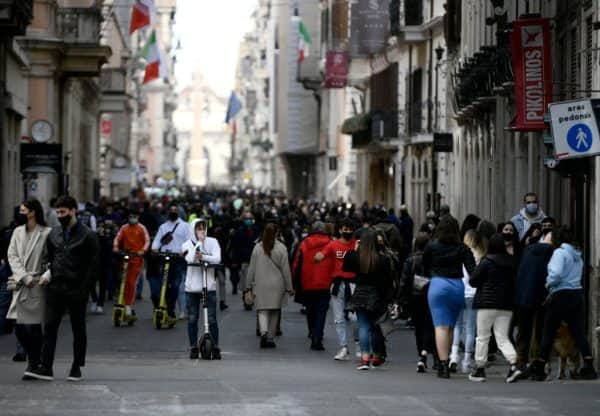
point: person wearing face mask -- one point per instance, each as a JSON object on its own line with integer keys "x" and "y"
{"x": 73, "y": 251}
{"x": 25, "y": 256}
{"x": 531, "y": 213}
{"x": 511, "y": 239}
{"x": 170, "y": 237}
{"x": 343, "y": 283}
{"x": 530, "y": 294}
{"x": 206, "y": 249}
{"x": 133, "y": 237}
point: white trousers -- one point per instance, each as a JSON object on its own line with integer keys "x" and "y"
{"x": 500, "y": 321}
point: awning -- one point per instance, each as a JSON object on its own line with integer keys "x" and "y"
{"x": 357, "y": 124}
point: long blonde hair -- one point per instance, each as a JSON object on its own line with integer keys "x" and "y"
{"x": 476, "y": 243}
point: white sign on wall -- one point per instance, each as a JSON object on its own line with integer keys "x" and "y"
{"x": 575, "y": 128}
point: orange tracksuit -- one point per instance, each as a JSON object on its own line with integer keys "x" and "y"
{"x": 133, "y": 238}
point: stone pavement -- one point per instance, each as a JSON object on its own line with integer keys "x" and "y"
{"x": 141, "y": 371}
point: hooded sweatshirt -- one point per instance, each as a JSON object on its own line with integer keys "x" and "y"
{"x": 565, "y": 269}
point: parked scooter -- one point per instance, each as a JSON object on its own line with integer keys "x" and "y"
{"x": 160, "y": 316}
{"x": 118, "y": 311}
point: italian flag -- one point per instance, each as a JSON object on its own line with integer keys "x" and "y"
{"x": 154, "y": 63}
{"x": 303, "y": 42}
{"x": 142, "y": 14}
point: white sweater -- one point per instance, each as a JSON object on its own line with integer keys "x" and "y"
{"x": 211, "y": 253}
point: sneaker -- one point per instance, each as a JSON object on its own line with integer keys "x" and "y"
{"x": 182, "y": 316}
{"x": 74, "y": 374}
{"x": 264, "y": 341}
{"x": 41, "y": 373}
{"x": 223, "y": 305}
{"x": 421, "y": 367}
{"x": 99, "y": 310}
{"x": 216, "y": 353}
{"x": 19, "y": 357}
{"x": 453, "y": 367}
{"x": 271, "y": 343}
{"x": 342, "y": 355}
{"x": 194, "y": 353}
{"x": 93, "y": 307}
{"x": 364, "y": 365}
{"x": 26, "y": 375}
{"x": 357, "y": 352}
{"x": 513, "y": 374}
{"x": 377, "y": 362}
{"x": 478, "y": 375}
{"x": 317, "y": 345}
{"x": 466, "y": 365}
{"x": 537, "y": 371}
{"x": 588, "y": 372}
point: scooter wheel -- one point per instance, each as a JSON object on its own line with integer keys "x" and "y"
{"x": 206, "y": 349}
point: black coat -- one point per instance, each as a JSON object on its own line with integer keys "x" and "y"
{"x": 531, "y": 278}
{"x": 494, "y": 280}
{"x": 447, "y": 260}
{"x": 73, "y": 262}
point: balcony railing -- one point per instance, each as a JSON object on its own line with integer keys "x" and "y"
{"x": 15, "y": 16}
{"x": 79, "y": 25}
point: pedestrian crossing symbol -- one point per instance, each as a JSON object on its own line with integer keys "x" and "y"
{"x": 580, "y": 138}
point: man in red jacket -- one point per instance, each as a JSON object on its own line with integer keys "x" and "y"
{"x": 343, "y": 286}
{"x": 315, "y": 279}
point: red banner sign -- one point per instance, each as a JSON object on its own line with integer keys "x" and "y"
{"x": 106, "y": 126}
{"x": 336, "y": 69}
{"x": 532, "y": 66}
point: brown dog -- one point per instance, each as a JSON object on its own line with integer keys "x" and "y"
{"x": 564, "y": 347}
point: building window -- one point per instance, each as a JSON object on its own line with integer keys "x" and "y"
{"x": 415, "y": 124}
{"x": 333, "y": 163}
{"x": 413, "y": 12}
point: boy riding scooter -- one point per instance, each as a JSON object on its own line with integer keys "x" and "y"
{"x": 201, "y": 249}
{"x": 132, "y": 238}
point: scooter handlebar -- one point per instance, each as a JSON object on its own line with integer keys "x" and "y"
{"x": 125, "y": 253}
{"x": 206, "y": 265}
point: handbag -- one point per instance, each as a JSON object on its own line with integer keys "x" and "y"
{"x": 248, "y": 298}
{"x": 419, "y": 282}
{"x": 168, "y": 237}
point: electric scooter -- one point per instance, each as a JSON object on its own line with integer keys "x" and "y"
{"x": 206, "y": 343}
{"x": 160, "y": 316}
{"x": 118, "y": 311}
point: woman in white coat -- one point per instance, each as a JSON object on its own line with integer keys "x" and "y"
{"x": 26, "y": 253}
{"x": 269, "y": 278}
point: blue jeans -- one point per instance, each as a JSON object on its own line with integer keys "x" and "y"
{"x": 193, "y": 301}
{"x": 467, "y": 325}
{"x": 370, "y": 336}
{"x": 338, "y": 305}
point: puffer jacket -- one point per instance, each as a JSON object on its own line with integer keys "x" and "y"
{"x": 447, "y": 260}
{"x": 73, "y": 262}
{"x": 314, "y": 276}
{"x": 494, "y": 280}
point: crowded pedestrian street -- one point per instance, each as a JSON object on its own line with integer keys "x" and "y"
{"x": 139, "y": 371}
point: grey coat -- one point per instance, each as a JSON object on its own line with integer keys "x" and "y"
{"x": 26, "y": 262}
{"x": 269, "y": 278}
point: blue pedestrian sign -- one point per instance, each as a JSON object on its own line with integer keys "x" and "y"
{"x": 575, "y": 131}
{"x": 580, "y": 138}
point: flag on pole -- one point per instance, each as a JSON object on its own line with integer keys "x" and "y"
{"x": 142, "y": 14}
{"x": 233, "y": 107}
{"x": 303, "y": 42}
{"x": 155, "y": 67}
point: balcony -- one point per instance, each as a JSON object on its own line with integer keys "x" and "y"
{"x": 79, "y": 29}
{"x": 408, "y": 23}
{"x": 15, "y": 16}
{"x": 373, "y": 128}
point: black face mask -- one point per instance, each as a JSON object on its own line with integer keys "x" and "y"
{"x": 65, "y": 221}
{"x": 380, "y": 247}
{"x": 21, "y": 219}
{"x": 173, "y": 216}
{"x": 347, "y": 236}
{"x": 507, "y": 236}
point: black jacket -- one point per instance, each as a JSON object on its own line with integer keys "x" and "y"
{"x": 446, "y": 260}
{"x": 494, "y": 280}
{"x": 412, "y": 266}
{"x": 531, "y": 278}
{"x": 73, "y": 262}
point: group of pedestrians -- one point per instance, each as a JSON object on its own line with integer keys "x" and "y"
{"x": 475, "y": 288}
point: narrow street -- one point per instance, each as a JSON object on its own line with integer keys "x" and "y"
{"x": 140, "y": 371}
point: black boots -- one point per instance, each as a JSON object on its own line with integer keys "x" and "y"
{"x": 444, "y": 369}
{"x": 537, "y": 370}
{"x": 588, "y": 372}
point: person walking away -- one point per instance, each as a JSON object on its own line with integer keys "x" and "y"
{"x": 392, "y": 233}
{"x": 269, "y": 278}
{"x": 413, "y": 287}
{"x": 407, "y": 227}
{"x": 342, "y": 285}
{"x": 531, "y": 213}
{"x": 169, "y": 239}
{"x": 73, "y": 252}
{"x": 443, "y": 261}
{"x": 373, "y": 285}
{"x": 315, "y": 282}
{"x": 565, "y": 303}
{"x": 26, "y": 254}
{"x": 530, "y": 294}
{"x": 201, "y": 248}
{"x": 242, "y": 243}
{"x": 467, "y": 320}
{"x": 494, "y": 280}
{"x": 133, "y": 237}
